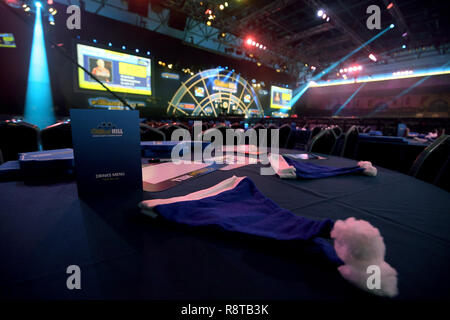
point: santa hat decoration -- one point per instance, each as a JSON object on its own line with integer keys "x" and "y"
{"x": 236, "y": 205}
{"x": 360, "y": 246}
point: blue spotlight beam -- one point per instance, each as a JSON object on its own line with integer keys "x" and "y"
{"x": 300, "y": 93}
{"x": 305, "y": 87}
{"x": 39, "y": 101}
{"x": 349, "y": 99}
{"x": 68, "y": 56}
{"x": 337, "y": 63}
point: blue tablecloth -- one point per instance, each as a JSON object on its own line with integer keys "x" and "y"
{"x": 123, "y": 254}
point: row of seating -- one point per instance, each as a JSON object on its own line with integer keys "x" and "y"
{"x": 18, "y": 137}
{"x": 164, "y": 133}
{"x": 432, "y": 165}
{"x": 334, "y": 142}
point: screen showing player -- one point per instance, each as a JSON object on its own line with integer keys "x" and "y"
{"x": 120, "y": 72}
{"x": 280, "y": 98}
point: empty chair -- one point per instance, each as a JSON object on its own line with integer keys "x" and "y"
{"x": 183, "y": 126}
{"x": 168, "y": 130}
{"x": 17, "y": 137}
{"x": 442, "y": 179}
{"x": 337, "y": 131}
{"x": 57, "y": 136}
{"x": 430, "y": 165}
{"x": 151, "y": 134}
{"x": 271, "y": 127}
{"x": 350, "y": 142}
{"x": 323, "y": 142}
{"x": 287, "y": 139}
{"x": 213, "y": 132}
{"x": 223, "y": 131}
{"x": 339, "y": 145}
{"x": 315, "y": 132}
{"x": 259, "y": 126}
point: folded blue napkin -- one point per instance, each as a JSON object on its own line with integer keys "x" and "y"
{"x": 307, "y": 170}
{"x": 238, "y": 207}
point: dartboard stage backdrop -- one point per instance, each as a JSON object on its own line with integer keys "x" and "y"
{"x": 215, "y": 92}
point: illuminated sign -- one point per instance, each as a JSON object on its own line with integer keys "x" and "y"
{"x": 172, "y": 76}
{"x": 7, "y": 40}
{"x": 220, "y": 85}
{"x": 102, "y": 102}
{"x": 277, "y": 114}
{"x": 247, "y": 98}
{"x": 189, "y": 106}
{"x": 280, "y": 98}
{"x": 199, "y": 92}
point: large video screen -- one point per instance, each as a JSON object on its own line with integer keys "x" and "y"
{"x": 280, "y": 98}
{"x": 120, "y": 72}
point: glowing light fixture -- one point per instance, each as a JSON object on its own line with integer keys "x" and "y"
{"x": 39, "y": 100}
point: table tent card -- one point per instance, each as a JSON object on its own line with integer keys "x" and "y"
{"x": 107, "y": 151}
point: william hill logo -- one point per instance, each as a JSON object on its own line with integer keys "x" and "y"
{"x": 106, "y": 129}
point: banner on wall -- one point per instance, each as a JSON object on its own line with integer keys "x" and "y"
{"x": 102, "y": 102}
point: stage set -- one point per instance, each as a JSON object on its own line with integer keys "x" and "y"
{"x": 254, "y": 151}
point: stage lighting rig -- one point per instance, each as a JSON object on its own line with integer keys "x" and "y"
{"x": 45, "y": 7}
{"x": 373, "y": 57}
{"x": 352, "y": 70}
{"x": 253, "y": 43}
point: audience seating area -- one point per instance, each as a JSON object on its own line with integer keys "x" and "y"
{"x": 418, "y": 147}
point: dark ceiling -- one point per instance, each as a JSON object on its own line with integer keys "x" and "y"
{"x": 292, "y": 29}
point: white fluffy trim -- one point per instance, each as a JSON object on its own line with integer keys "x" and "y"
{"x": 360, "y": 246}
{"x": 369, "y": 169}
